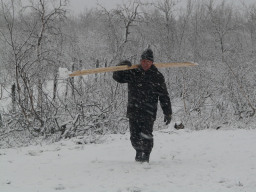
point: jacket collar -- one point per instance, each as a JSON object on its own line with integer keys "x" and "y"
{"x": 151, "y": 69}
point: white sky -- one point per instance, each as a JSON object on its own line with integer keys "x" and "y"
{"x": 78, "y": 6}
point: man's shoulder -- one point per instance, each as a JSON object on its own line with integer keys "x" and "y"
{"x": 135, "y": 71}
{"x": 157, "y": 72}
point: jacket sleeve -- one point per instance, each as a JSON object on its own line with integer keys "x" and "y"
{"x": 164, "y": 97}
{"x": 122, "y": 76}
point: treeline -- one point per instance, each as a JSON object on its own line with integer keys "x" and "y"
{"x": 42, "y": 36}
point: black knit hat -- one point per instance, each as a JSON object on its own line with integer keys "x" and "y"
{"x": 147, "y": 54}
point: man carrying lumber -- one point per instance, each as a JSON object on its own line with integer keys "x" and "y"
{"x": 146, "y": 85}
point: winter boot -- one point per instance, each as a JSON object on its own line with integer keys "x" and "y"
{"x": 145, "y": 157}
{"x": 138, "y": 156}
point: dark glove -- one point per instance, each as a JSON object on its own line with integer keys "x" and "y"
{"x": 167, "y": 119}
{"x": 125, "y": 62}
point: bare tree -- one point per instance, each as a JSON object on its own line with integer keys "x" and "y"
{"x": 120, "y": 24}
{"x": 28, "y": 36}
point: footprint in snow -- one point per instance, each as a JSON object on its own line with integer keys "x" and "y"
{"x": 60, "y": 187}
{"x": 133, "y": 189}
{"x": 34, "y": 153}
{"x": 146, "y": 166}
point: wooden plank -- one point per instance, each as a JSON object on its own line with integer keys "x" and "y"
{"x": 125, "y": 67}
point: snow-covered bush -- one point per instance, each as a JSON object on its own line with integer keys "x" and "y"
{"x": 221, "y": 90}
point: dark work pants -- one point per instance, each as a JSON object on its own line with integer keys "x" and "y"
{"x": 139, "y": 143}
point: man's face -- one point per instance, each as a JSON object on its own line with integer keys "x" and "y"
{"x": 146, "y": 64}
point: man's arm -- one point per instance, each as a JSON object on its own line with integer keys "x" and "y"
{"x": 123, "y": 76}
{"x": 165, "y": 99}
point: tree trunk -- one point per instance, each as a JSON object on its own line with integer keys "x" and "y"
{"x": 1, "y": 121}
{"x": 14, "y": 98}
{"x": 40, "y": 95}
{"x": 55, "y": 85}
{"x": 80, "y": 79}
{"x": 1, "y": 92}
{"x": 72, "y": 81}
{"x": 97, "y": 66}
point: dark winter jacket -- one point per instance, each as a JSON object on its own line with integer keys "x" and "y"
{"x": 145, "y": 88}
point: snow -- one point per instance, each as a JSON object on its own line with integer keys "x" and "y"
{"x": 64, "y": 73}
{"x": 209, "y": 160}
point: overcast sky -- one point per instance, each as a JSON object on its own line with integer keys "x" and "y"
{"x": 78, "y": 6}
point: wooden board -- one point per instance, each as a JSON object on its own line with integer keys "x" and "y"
{"x": 125, "y": 67}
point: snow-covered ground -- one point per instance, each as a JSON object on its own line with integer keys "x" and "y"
{"x": 182, "y": 161}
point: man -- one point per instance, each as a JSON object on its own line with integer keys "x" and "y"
{"x": 146, "y": 85}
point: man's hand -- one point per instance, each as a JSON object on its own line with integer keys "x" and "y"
{"x": 167, "y": 119}
{"x": 125, "y": 62}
